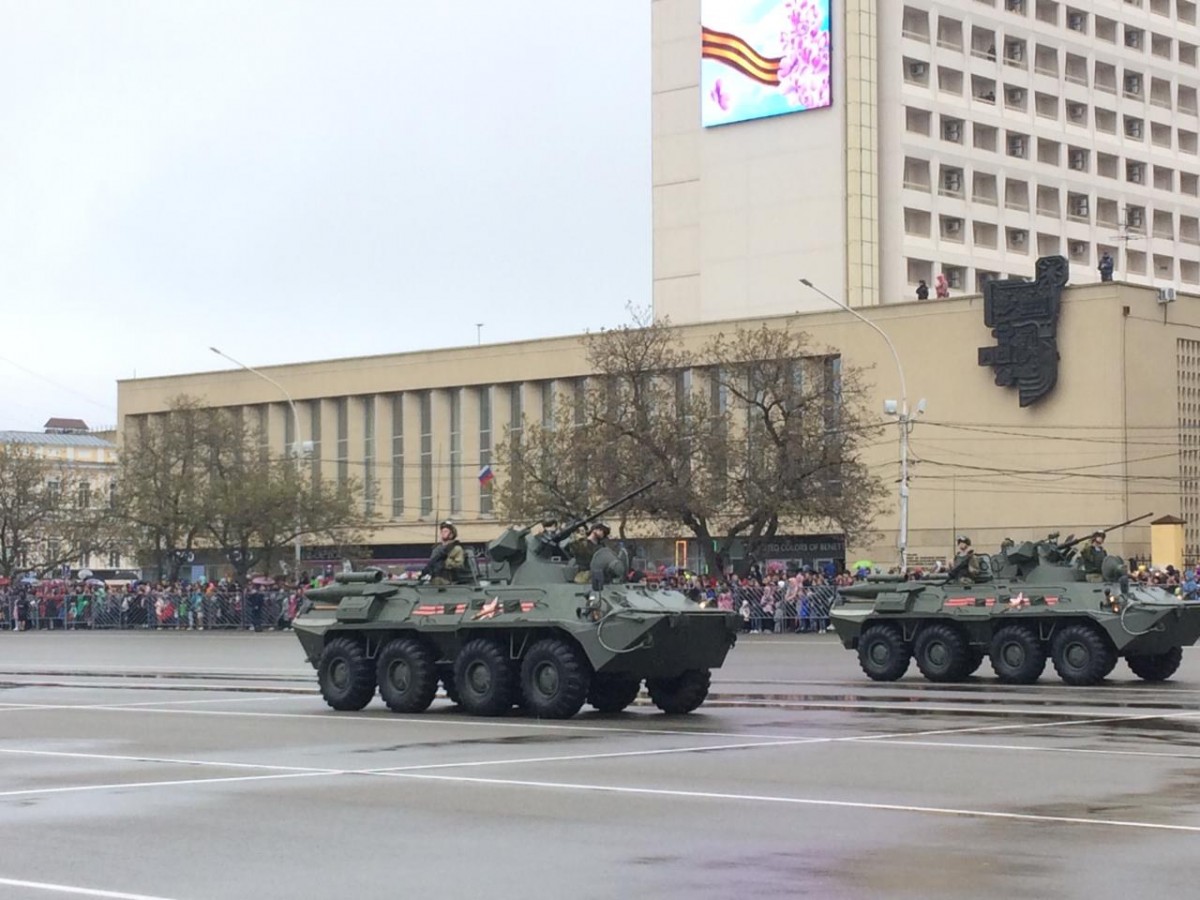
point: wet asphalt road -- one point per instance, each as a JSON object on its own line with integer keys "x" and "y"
{"x": 191, "y": 766}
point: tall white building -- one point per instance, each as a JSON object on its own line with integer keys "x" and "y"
{"x": 964, "y": 137}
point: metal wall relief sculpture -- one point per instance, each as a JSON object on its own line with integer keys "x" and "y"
{"x": 1023, "y": 317}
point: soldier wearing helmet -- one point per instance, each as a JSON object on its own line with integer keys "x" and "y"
{"x": 966, "y": 563}
{"x": 585, "y": 548}
{"x": 448, "y": 562}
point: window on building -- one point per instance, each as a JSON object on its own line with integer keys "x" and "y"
{"x": 83, "y": 500}
{"x": 485, "y": 449}
{"x": 314, "y": 428}
{"x": 425, "y": 403}
{"x": 397, "y": 456}
{"x": 455, "y": 451}
{"x": 370, "y": 488}
{"x": 343, "y": 442}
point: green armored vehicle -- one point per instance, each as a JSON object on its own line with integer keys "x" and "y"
{"x": 519, "y": 630}
{"x": 1030, "y": 602}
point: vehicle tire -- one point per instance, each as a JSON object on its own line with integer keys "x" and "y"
{"x": 975, "y": 658}
{"x": 407, "y": 675}
{"x": 1155, "y": 666}
{"x": 883, "y": 653}
{"x": 1017, "y": 655}
{"x": 612, "y": 693}
{"x": 485, "y": 678}
{"x": 941, "y": 653}
{"x": 554, "y": 679}
{"x": 345, "y": 675}
{"x": 446, "y": 677}
{"x": 1081, "y": 655}
{"x": 681, "y": 694}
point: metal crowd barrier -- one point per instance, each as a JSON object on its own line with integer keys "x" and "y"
{"x": 772, "y": 611}
{"x": 230, "y": 610}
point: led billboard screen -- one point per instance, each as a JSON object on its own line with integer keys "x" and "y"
{"x": 763, "y": 58}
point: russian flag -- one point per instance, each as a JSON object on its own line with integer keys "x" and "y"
{"x": 486, "y": 476}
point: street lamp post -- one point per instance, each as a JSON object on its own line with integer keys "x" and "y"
{"x": 891, "y": 409}
{"x": 294, "y": 450}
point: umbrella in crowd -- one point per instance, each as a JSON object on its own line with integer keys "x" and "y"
{"x": 84, "y": 574}
{"x": 862, "y": 564}
{"x": 263, "y": 581}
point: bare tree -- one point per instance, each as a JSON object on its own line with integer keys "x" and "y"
{"x": 47, "y": 520}
{"x": 200, "y": 478}
{"x": 755, "y": 431}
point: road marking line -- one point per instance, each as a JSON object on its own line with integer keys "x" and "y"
{"x": 170, "y": 761}
{"x": 79, "y": 891}
{"x": 900, "y": 742}
{"x": 117, "y": 786}
{"x": 805, "y": 801}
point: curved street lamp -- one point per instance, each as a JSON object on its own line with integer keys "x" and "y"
{"x": 890, "y": 408}
{"x": 294, "y": 450}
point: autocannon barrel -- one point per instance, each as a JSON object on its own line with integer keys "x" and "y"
{"x": 370, "y": 576}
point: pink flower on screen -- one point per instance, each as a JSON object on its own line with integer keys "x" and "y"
{"x": 804, "y": 67}
{"x": 719, "y": 96}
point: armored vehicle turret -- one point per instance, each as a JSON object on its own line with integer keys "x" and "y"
{"x": 1030, "y": 602}
{"x": 526, "y": 626}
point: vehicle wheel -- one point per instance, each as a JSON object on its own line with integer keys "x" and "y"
{"x": 485, "y": 678}
{"x": 681, "y": 694}
{"x": 446, "y": 676}
{"x": 612, "y": 693}
{"x": 346, "y": 676}
{"x": 1018, "y": 657}
{"x": 975, "y": 658}
{"x": 883, "y": 653}
{"x": 1081, "y": 655}
{"x": 1156, "y": 666}
{"x": 941, "y": 653}
{"x": 407, "y": 673}
{"x": 554, "y": 679}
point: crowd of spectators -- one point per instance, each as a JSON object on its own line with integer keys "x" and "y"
{"x": 774, "y": 600}
{"x": 72, "y": 605}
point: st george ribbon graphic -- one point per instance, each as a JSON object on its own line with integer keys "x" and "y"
{"x": 733, "y": 51}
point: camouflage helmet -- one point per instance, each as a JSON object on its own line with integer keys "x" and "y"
{"x": 601, "y": 527}
{"x": 448, "y": 524}
{"x": 963, "y": 539}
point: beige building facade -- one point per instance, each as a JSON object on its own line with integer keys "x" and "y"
{"x": 1117, "y": 436}
{"x": 964, "y": 138}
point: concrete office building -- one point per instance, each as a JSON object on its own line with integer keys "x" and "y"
{"x": 1118, "y": 436}
{"x": 964, "y": 137}
{"x": 946, "y": 137}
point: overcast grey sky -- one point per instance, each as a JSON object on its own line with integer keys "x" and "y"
{"x": 305, "y": 179}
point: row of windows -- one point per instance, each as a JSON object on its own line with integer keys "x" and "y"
{"x": 1132, "y": 227}
{"x": 951, "y": 182}
{"x": 1105, "y": 77}
{"x": 953, "y": 128}
{"x": 1129, "y": 261}
{"x": 975, "y": 278}
{"x": 1132, "y": 35}
{"x": 1075, "y": 19}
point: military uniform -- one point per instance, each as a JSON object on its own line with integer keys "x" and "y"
{"x": 1092, "y": 556}
{"x": 584, "y": 549}
{"x": 448, "y": 562}
{"x": 966, "y": 563}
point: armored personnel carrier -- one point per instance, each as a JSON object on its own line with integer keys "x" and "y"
{"x": 1031, "y": 602}
{"x": 520, "y": 630}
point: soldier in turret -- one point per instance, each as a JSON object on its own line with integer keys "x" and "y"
{"x": 448, "y": 562}
{"x": 966, "y": 563}
{"x": 1092, "y": 556}
{"x": 585, "y": 548}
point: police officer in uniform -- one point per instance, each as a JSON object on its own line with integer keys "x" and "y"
{"x": 448, "y": 562}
